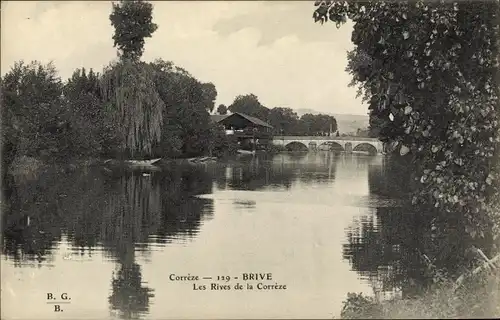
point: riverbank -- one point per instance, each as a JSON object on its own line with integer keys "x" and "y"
{"x": 477, "y": 297}
{"x": 29, "y": 167}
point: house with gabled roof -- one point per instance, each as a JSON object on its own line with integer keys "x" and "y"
{"x": 243, "y": 123}
{"x": 244, "y": 127}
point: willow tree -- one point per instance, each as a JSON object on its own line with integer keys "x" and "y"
{"x": 128, "y": 86}
{"x": 430, "y": 70}
{"x": 129, "y": 92}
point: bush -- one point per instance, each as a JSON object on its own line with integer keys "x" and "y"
{"x": 358, "y": 306}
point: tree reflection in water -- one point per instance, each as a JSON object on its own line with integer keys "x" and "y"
{"x": 122, "y": 214}
{"x": 128, "y": 295}
{"x": 400, "y": 249}
{"x": 130, "y": 216}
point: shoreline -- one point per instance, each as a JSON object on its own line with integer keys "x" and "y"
{"x": 29, "y": 166}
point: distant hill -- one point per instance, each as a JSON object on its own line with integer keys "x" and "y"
{"x": 347, "y": 123}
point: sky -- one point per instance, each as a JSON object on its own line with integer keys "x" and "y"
{"x": 272, "y": 49}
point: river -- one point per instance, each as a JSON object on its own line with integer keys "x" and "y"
{"x": 323, "y": 224}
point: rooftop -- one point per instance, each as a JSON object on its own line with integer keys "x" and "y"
{"x": 219, "y": 118}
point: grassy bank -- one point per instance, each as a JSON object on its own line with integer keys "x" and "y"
{"x": 477, "y": 297}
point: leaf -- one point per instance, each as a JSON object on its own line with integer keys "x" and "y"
{"x": 406, "y": 35}
{"x": 408, "y": 109}
{"x": 488, "y": 180}
{"x": 404, "y": 150}
{"x": 473, "y": 234}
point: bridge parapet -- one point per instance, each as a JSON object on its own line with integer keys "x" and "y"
{"x": 297, "y": 138}
{"x": 347, "y": 144}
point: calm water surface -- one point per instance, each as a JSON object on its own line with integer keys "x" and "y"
{"x": 322, "y": 223}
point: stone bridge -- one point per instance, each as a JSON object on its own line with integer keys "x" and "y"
{"x": 347, "y": 144}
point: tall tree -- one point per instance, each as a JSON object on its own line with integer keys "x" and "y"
{"x": 128, "y": 87}
{"x": 430, "y": 71}
{"x": 133, "y": 21}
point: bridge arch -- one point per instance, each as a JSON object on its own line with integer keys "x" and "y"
{"x": 296, "y": 146}
{"x": 332, "y": 145}
{"x": 367, "y": 147}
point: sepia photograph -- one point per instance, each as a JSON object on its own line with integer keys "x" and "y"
{"x": 333, "y": 159}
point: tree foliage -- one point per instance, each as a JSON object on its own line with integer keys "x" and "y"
{"x": 187, "y": 128}
{"x": 133, "y": 109}
{"x": 133, "y": 21}
{"x": 48, "y": 119}
{"x": 129, "y": 90}
{"x": 32, "y": 112}
{"x": 209, "y": 95}
{"x": 83, "y": 97}
{"x": 430, "y": 71}
{"x": 318, "y": 124}
{"x": 250, "y": 105}
{"x": 284, "y": 120}
{"x": 222, "y": 109}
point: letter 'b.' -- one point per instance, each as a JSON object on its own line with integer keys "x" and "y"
{"x": 49, "y": 296}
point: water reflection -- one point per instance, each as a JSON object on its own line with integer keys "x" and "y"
{"x": 117, "y": 214}
{"x": 263, "y": 172}
{"x": 382, "y": 248}
{"x": 127, "y": 217}
{"x": 94, "y": 209}
{"x": 129, "y": 297}
{"x": 131, "y": 213}
{"x": 399, "y": 248}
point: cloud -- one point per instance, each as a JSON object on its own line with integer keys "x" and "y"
{"x": 72, "y": 34}
{"x": 273, "y": 50}
{"x": 277, "y": 19}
